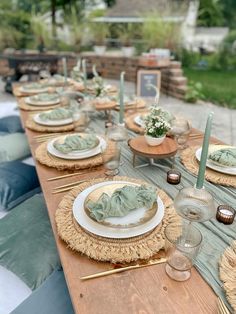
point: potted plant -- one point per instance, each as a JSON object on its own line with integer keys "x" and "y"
{"x": 156, "y": 127}
{"x": 99, "y": 32}
{"x": 126, "y": 36}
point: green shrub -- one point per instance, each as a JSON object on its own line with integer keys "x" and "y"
{"x": 194, "y": 92}
{"x": 188, "y": 58}
{"x": 225, "y": 58}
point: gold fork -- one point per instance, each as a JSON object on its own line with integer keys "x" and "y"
{"x": 119, "y": 270}
{"x": 65, "y": 176}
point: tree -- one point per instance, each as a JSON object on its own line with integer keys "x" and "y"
{"x": 210, "y": 13}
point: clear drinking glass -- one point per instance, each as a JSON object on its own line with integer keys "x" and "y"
{"x": 111, "y": 159}
{"x": 80, "y": 118}
{"x": 180, "y": 129}
{"x": 195, "y": 204}
{"x": 182, "y": 244}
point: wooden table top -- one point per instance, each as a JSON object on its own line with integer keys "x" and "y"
{"x": 146, "y": 290}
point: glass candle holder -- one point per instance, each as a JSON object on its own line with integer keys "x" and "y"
{"x": 225, "y": 214}
{"x": 173, "y": 176}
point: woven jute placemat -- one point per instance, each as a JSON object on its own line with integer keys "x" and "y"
{"x": 24, "y": 106}
{"x": 32, "y": 125}
{"x": 129, "y": 121}
{"x": 227, "y": 267}
{"x": 189, "y": 160}
{"x": 106, "y": 249}
{"x": 47, "y": 159}
{"x": 106, "y": 105}
{"x": 17, "y": 92}
{"x": 140, "y": 104}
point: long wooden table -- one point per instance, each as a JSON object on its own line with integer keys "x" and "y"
{"x": 146, "y": 290}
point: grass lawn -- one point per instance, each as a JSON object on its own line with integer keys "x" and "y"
{"x": 219, "y": 87}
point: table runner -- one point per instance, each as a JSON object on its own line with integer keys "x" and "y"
{"x": 217, "y": 237}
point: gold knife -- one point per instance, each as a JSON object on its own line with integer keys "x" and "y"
{"x": 119, "y": 270}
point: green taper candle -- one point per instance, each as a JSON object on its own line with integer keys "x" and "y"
{"x": 121, "y": 117}
{"x": 64, "y": 69}
{"x": 84, "y": 72}
{"x": 95, "y": 73}
{"x": 204, "y": 154}
{"x": 78, "y": 64}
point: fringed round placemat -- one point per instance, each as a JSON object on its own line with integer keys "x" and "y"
{"x": 228, "y": 273}
{"x": 106, "y": 249}
{"x": 189, "y": 160}
{"x": 139, "y": 104}
{"x": 47, "y": 159}
{"x": 106, "y": 105}
{"x": 22, "y": 105}
{"x": 131, "y": 125}
{"x": 32, "y": 125}
{"x": 17, "y": 92}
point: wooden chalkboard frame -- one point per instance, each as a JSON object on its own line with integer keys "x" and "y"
{"x": 139, "y": 80}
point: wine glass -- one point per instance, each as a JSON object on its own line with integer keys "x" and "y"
{"x": 195, "y": 204}
{"x": 180, "y": 129}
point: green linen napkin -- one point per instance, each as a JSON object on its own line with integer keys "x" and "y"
{"x": 224, "y": 156}
{"x": 44, "y": 97}
{"x": 33, "y": 86}
{"x": 56, "y": 114}
{"x": 122, "y": 201}
{"x": 76, "y": 142}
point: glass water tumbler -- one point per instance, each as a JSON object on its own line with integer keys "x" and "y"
{"x": 182, "y": 244}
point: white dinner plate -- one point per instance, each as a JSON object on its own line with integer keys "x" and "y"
{"x": 30, "y": 101}
{"x": 104, "y": 231}
{"x": 38, "y": 120}
{"x": 139, "y": 121}
{"x": 77, "y": 155}
{"x": 34, "y": 91}
{"x": 212, "y": 165}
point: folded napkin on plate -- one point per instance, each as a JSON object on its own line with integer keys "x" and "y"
{"x": 56, "y": 114}
{"x": 76, "y": 142}
{"x": 44, "y": 97}
{"x": 122, "y": 201}
{"x": 33, "y": 86}
{"x": 224, "y": 156}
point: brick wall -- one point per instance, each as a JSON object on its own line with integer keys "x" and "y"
{"x": 173, "y": 81}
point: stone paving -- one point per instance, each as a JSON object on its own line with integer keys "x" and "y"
{"x": 224, "y": 123}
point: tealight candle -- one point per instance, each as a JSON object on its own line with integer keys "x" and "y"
{"x": 225, "y": 214}
{"x": 173, "y": 176}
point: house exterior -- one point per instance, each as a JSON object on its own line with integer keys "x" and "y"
{"x": 184, "y": 12}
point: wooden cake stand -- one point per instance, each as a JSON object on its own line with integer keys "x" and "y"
{"x": 139, "y": 147}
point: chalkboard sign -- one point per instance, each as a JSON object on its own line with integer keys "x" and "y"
{"x": 145, "y": 78}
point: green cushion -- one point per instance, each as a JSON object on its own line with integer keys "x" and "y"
{"x": 27, "y": 245}
{"x": 10, "y": 124}
{"x": 18, "y": 182}
{"x": 52, "y": 297}
{"x": 13, "y": 146}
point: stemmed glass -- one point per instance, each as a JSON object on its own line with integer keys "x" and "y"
{"x": 180, "y": 129}
{"x": 194, "y": 205}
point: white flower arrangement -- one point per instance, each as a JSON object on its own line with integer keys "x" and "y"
{"x": 156, "y": 124}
